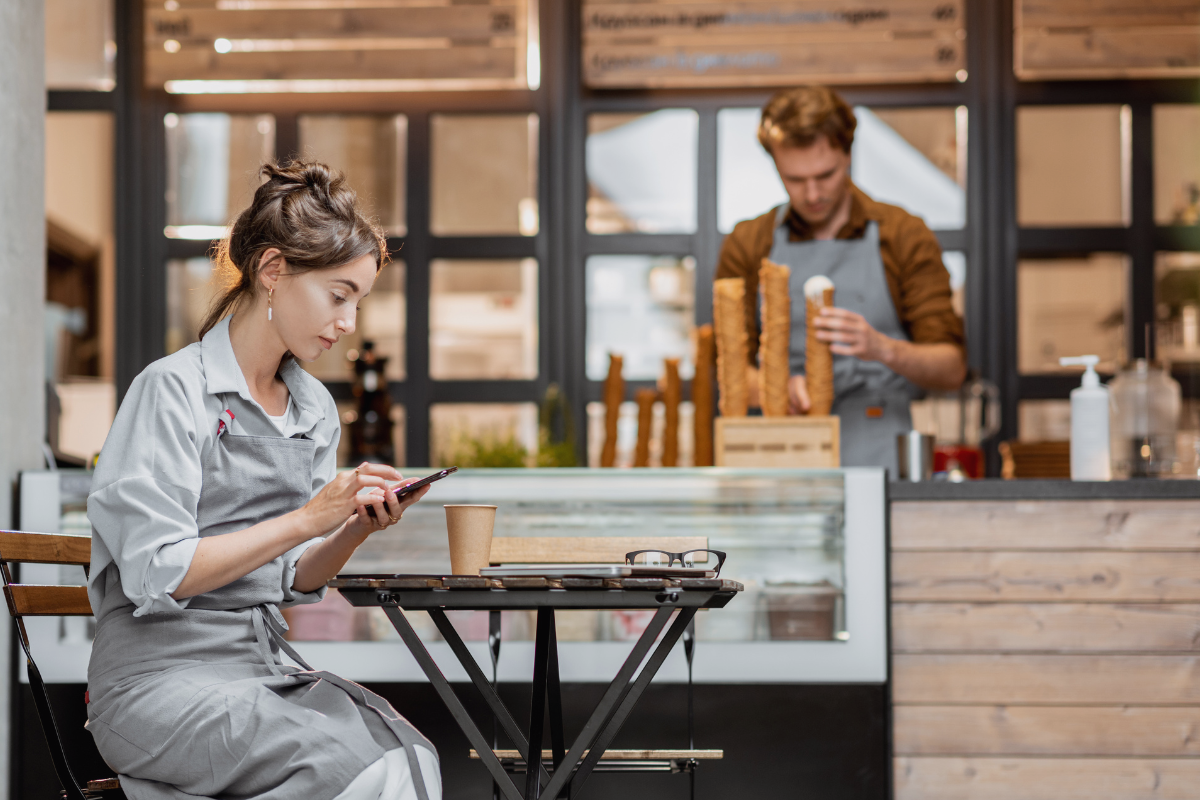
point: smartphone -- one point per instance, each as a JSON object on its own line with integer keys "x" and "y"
{"x": 401, "y": 491}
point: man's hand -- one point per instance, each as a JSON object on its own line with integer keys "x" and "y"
{"x": 849, "y": 334}
{"x": 798, "y": 400}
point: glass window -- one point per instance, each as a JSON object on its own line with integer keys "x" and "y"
{"x": 483, "y": 434}
{"x": 80, "y": 47}
{"x": 483, "y": 175}
{"x": 371, "y": 151}
{"x": 912, "y": 157}
{"x": 190, "y": 293}
{"x": 212, "y": 169}
{"x": 1071, "y": 307}
{"x": 643, "y": 308}
{"x": 956, "y": 265}
{"x": 483, "y": 319}
{"x": 1176, "y": 165}
{"x": 1073, "y": 165}
{"x": 1044, "y": 420}
{"x": 641, "y": 171}
{"x": 1177, "y": 307}
{"x": 348, "y": 412}
{"x": 382, "y": 318}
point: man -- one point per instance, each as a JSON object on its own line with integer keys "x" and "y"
{"x": 894, "y": 332}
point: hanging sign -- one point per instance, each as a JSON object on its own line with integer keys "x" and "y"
{"x": 671, "y": 43}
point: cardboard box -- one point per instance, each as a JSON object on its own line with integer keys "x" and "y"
{"x": 798, "y": 442}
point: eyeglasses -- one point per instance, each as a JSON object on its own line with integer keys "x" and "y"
{"x": 657, "y": 558}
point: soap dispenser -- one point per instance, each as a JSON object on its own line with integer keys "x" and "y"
{"x": 1089, "y": 424}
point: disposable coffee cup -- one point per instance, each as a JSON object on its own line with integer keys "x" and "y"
{"x": 470, "y": 532}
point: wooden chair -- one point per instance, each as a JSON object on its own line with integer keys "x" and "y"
{"x": 604, "y": 550}
{"x": 24, "y": 600}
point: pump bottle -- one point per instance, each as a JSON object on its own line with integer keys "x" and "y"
{"x": 1089, "y": 424}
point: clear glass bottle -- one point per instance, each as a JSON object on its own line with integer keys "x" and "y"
{"x": 1145, "y": 415}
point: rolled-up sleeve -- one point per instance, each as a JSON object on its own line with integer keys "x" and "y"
{"x": 146, "y": 491}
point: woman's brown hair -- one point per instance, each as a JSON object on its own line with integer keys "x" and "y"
{"x": 307, "y": 212}
{"x": 796, "y": 117}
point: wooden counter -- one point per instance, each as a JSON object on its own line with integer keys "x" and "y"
{"x": 1046, "y": 648}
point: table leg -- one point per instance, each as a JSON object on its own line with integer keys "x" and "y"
{"x": 537, "y": 704}
{"x": 613, "y": 695}
{"x": 554, "y": 692}
{"x": 485, "y": 688}
{"x": 604, "y": 739}
{"x": 453, "y": 704}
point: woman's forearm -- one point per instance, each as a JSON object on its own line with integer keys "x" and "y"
{"x": 220, "y": 560}
{"x": 324, "y": 560}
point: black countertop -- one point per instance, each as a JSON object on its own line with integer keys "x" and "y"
{"x": 997, "y": 489}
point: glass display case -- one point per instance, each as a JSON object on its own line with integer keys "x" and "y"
{"x": 808, "y": 545}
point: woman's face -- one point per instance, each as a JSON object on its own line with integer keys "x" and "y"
{"x": 313, "y": 309}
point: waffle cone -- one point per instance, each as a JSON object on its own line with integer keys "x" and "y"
{"x": 729, "y": 320}
{"x": 773, "y": 361}
{"x": 614, "y": 393}
{"x": 818, "y": 361}
{"x": 702, "y": 397}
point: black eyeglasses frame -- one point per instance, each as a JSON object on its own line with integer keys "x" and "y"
{"x": 720, "y": 554}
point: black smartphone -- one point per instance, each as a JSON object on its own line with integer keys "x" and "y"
{"x": 401, "y": 491}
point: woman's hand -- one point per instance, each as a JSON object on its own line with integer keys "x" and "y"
{"x": 388, "y": 508}
{"x": 339, "y": 499}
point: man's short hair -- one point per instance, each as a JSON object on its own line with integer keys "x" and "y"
{"x": 798, "y": 117}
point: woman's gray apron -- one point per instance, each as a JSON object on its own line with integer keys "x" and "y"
{"x": 871, "y": 400}
{"x": 197, "y": 704}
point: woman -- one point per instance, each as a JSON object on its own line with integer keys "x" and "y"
{"x": 216, "y": 501}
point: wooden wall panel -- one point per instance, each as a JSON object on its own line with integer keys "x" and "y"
{"x": 1075, "y": 39}
{"x": 1000, "y": 678}
{"x": 1045, "y": 627}
{"x": 1047, "y": 525}
{"x": 674, "y": 43}
{"x": 1115, "y": 576}
{"x": 924, "y": 778}
{"x": 1041, "y": 731}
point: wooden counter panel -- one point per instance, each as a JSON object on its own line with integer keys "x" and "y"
{"x": 931, "y": 778}
{"x": 1045, "y": 627}
{"x": 1042, "y": 731}
{"x": 1046, "y": 679}
{"x": 1046, "y": 576}
{"x": 1046, "y": 525}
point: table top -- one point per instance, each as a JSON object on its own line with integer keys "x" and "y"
{"x": 468, "y": 592}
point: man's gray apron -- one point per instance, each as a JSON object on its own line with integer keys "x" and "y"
{"x": 197, "y": 704}
{"x": 871, "y": 400}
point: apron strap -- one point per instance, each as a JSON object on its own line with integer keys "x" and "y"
{"x": 268, "y": 628}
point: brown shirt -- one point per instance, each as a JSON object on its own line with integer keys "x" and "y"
{"x": 912, "y": 260}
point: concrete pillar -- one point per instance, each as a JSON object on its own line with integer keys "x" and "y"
{"x": 22, "y": 280}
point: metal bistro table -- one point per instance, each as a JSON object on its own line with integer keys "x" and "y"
{"x": 440, "y": 594}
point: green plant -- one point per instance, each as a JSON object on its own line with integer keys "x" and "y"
{"x": 487, "y": 451}
{"x": 556, "y": 449}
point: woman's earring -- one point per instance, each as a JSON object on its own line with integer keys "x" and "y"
{"x": 269, "y": 293}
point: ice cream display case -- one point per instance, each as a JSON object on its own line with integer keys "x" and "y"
{"x": 809, "y": 546}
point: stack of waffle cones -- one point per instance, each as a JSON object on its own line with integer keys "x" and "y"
{"x": 729, "y": 320}
{"x": 773, "y": 361}
{"x": 614, "y": 393}
{"x": 818, "y": 359}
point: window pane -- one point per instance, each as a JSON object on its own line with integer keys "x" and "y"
{"x": 348, "y": 413}
{"x": 642, "y": 172}
{"x": 956, "y": 265}
{"x": 371, "y": 151}
{"x": 381, "y": 320}
{"x": 1177, "y": 308}
{"x": 212, "y": 169}
{"x": 483, "y": 434}
{"x": 190, "y": 292}
{"x": 1044, "y": 420}
{"x": 483, "y": 319}
{"x": 643, "y": 308}
{"x": 912, "y": 157}
{"x": 80, "y": 47}
{"x": 1073, "y": 165}
{"x": 1176, "y": 165}
{"x": 1071, "y": 307}
{"x": 483, "y": 175}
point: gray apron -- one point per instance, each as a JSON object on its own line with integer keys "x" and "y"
{"x": 871, "y": 400}
{"x": 197, "y": 703}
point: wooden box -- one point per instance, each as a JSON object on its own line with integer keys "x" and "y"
{"x": 802, "y": 442}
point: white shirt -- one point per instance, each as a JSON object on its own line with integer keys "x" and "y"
{"x": 147, "y": 484}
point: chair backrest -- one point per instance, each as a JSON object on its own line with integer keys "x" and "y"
{"x": 26, "y": 600}
{"x": 586, "y": 549}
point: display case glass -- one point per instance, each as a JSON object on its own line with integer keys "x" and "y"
{"x": 808, "y": 545}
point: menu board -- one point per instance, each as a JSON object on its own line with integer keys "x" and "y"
{"x": 215, "y": 46}
{"x": 675, "y": 43}
{"x": 1083, "y": 39}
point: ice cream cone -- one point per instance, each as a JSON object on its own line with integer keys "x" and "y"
{"x": 818, "y": 359}
{"x": 773, "y": 366}
{"x": 729, "y": 318}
